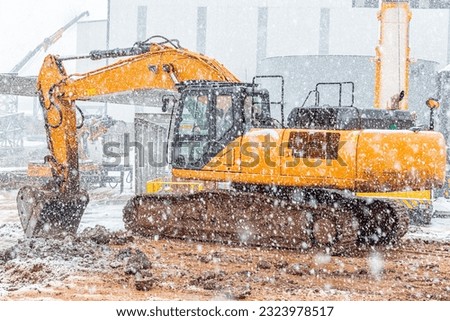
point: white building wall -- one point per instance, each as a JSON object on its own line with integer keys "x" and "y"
{"x": 353, "y": 31}
{"x": 235, "y": 45}
{"x": 293, "y": 31}
{"x": 231, "y": 31}
{"x": 429, "y": 35}
{"x": 293, "y": 28}
{"x": 91, "y": 35}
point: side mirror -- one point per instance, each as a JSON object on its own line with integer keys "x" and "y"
{"x": 433, "y": 104}
{"x": 168, "y": 103}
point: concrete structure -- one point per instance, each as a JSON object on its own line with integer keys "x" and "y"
{"x": 444, "y": 111}
{"x": 151, "y": 139}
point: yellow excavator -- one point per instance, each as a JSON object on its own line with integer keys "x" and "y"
{"x": 293, "y": 183}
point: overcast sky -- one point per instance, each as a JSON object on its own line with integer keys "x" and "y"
{"x": 26, "y": 23}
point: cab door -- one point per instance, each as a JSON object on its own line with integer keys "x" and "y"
{"x": 207, "y": 130}
{"x": 223, "y": 152}
{"x": 192, "y": 130}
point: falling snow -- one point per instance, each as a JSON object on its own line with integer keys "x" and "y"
{"x": 327, "y": 253}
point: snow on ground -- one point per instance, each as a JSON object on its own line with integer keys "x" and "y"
{"x": 438, "y": 230}
{"x": 442, "y": 206}
{"x": 12, "y": 169}
{"x": 106, "y": 213}
{"x": 105, "y": 208}
{"x": 10, "y": 229}
{"x": 30, "y": 266}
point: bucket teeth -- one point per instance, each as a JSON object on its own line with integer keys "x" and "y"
{"x": 48, "y": 213}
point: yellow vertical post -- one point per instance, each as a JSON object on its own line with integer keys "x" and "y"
{"x": 392, "y": 56}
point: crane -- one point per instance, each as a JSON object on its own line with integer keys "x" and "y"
{"x": 11, "y": 105}
{"x": 47, "y": 42}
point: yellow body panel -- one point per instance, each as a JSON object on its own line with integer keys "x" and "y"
{"x": 39, "y": 170}
{"x": 165, "y": 185}
{"x": 416, "y": 195}
{"x": 413, "y": 200}
{"x": 400, "y": 160}
{"x": 361, "y": 161}
{"x": 328, "y": 172}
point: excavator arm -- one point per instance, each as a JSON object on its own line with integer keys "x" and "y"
{"x": 58, "y": 207}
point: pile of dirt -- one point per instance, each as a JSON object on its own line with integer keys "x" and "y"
{"x": 39, "y": 262}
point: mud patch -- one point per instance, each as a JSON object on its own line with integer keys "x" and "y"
{"x": 81, "y": 269}
{"x": 40, "y": 262}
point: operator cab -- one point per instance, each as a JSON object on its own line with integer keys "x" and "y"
{"x": 210, "y": 115}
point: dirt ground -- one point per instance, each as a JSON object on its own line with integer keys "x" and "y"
{"x": 100, "y": 265}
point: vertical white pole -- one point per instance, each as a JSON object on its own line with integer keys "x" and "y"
{"x": 392, "y": 56}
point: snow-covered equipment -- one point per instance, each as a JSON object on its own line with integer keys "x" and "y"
{"x": 292, "y": 183}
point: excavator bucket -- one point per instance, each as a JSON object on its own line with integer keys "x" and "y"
{"x": 48, "y": 213}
